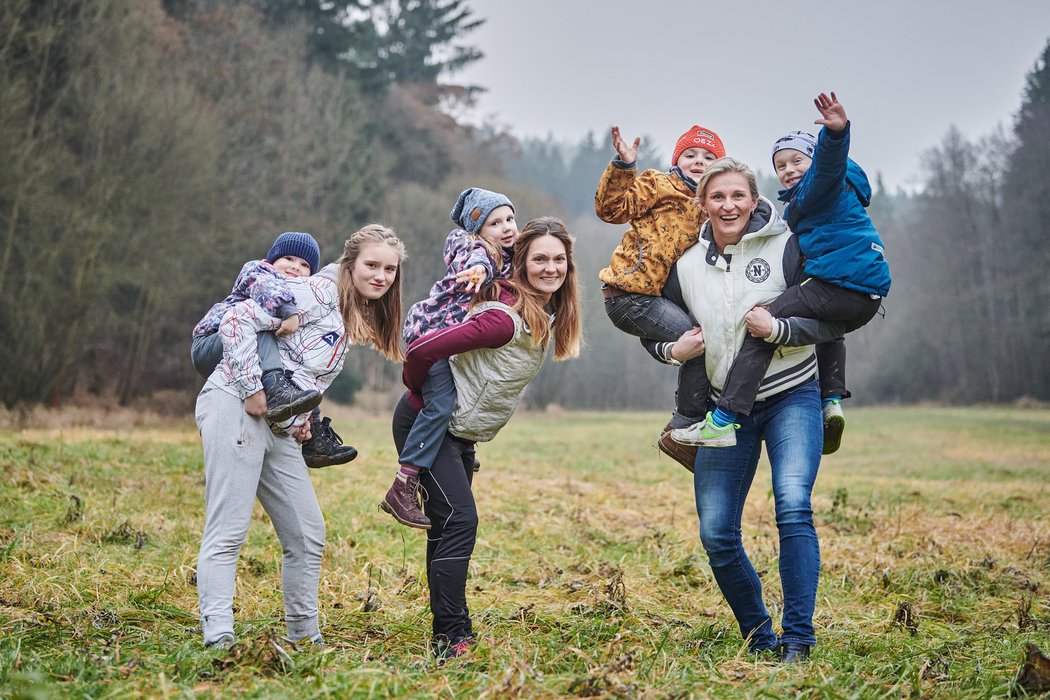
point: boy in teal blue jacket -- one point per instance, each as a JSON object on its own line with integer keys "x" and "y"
{"x": 825, "y": 195}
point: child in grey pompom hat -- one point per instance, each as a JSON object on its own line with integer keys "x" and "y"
{"x": 478, "y": 251}
{"x": 474, "y": 206}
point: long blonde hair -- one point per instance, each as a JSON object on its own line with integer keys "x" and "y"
{"x": 378, "y": 321}
{"x": 564, "y": 304}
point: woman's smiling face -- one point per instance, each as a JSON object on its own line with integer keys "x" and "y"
{"x": 729, "y": 204}
{"x": 546, "y": 265}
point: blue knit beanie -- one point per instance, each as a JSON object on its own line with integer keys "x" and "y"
{"x": 301, "y": 245}
{"x": 474, "y": 206}
{"x": 801, "y": 141}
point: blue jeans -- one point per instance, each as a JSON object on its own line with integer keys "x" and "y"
{"x": 429, "y": 427}
{"x": 660, "y": 319}
{"x": 792, "y": 426}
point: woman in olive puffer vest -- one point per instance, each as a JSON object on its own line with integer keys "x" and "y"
{"x": 494, "y": 354}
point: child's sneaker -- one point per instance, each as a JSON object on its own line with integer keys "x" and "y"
{"x": 706, "y": 434}
{"x": 402, "y": 502}
{"x": 284, "y": 399}
{"x": 325, "y": 447}
{"x": 834, "y": 424}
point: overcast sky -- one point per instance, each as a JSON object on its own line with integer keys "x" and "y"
{"x": 905, "y": 70}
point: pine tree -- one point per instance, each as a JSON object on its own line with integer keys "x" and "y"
{"x": 384, "y": 42}
{"x": 1026, "y": 224}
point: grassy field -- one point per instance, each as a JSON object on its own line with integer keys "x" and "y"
{"x": 588, "y": 578}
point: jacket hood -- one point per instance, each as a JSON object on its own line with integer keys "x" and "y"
{"x": 858, "y": 180}
{"x": 330, "y": 272}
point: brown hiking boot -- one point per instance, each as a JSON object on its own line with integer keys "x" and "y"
{"x": 683, "y": 454}
{"x": 402, "y": 502}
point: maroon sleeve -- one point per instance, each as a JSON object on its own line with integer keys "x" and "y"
{"x": 491, "y": 328}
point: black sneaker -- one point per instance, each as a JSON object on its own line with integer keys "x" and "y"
{"x": 794, "y": 653}
{"x": 284, "y": 399}
{"x": 445, "y": 648}
{"x": 325, "y": 447}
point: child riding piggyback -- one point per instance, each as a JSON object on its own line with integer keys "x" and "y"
{"x": 477, "y": 250}
{"x": 664, "y": 222}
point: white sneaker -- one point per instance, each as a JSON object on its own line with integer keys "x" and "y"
{"x": 705, "y": 434}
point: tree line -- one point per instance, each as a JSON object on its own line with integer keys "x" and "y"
{"x": 152, "y": 146}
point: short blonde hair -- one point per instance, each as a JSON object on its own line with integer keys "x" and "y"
{"x": 722, "y": 166}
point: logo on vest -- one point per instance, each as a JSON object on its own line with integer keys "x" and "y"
{"x": 331, "y": 338}
{"x": 757, "y": 270}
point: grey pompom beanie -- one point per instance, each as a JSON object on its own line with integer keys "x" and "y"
{"x": 474, "y": 206}
{"x": 801, "y": 141}
{"x": 301, "y": 245}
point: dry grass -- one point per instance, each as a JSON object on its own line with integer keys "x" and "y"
{"x": 588, "y": 578}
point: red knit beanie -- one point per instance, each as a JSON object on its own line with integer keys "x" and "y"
{"x": 698, "y": 137}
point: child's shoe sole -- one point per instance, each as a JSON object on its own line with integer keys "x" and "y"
{"x": 683, "y": 454}
{"x": 833, "y": 429}
{"x": 308, "y": 402}
{"x": 387, "y": 508}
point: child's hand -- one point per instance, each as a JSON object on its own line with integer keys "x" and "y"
{"x": 832, "y": 110}
{"x": 255, "y": 405}
{"x": 628, "y": 154}
{"x": 473, "y": 277}
{"x": 288, "y": 326}
{"x": 759, "y": 322}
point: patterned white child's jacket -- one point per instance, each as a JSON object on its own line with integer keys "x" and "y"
{"x": 315, "y": 353}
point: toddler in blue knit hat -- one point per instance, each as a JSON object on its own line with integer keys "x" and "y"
{"x": 293, "y": 255}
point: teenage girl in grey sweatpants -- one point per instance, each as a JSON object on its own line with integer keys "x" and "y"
{"x": 243, "y": 460}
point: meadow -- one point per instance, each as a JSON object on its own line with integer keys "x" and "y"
{"x": 588, "y": 579}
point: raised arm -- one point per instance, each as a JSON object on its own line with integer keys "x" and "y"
{"x": 828, "y": 169}
{"x": 833, "y": 114}
{"x": 627, "y": 154}
{"x": 622, "y": 195}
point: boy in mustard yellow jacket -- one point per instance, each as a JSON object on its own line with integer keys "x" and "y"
{"x": 665, "y": 221}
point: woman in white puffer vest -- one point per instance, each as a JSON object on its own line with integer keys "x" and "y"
{"x": 494, "y": 354}
{"x": 746, "y": 257}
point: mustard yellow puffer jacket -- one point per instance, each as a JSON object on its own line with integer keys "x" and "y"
{"x": 665, "y": 222}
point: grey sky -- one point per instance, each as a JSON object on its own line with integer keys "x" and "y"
{"x": 906, "y": 70}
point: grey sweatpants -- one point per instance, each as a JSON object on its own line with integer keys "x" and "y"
{"x": 244, "y": 460}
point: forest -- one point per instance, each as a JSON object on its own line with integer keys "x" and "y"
{"x": 153, "y": 146}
